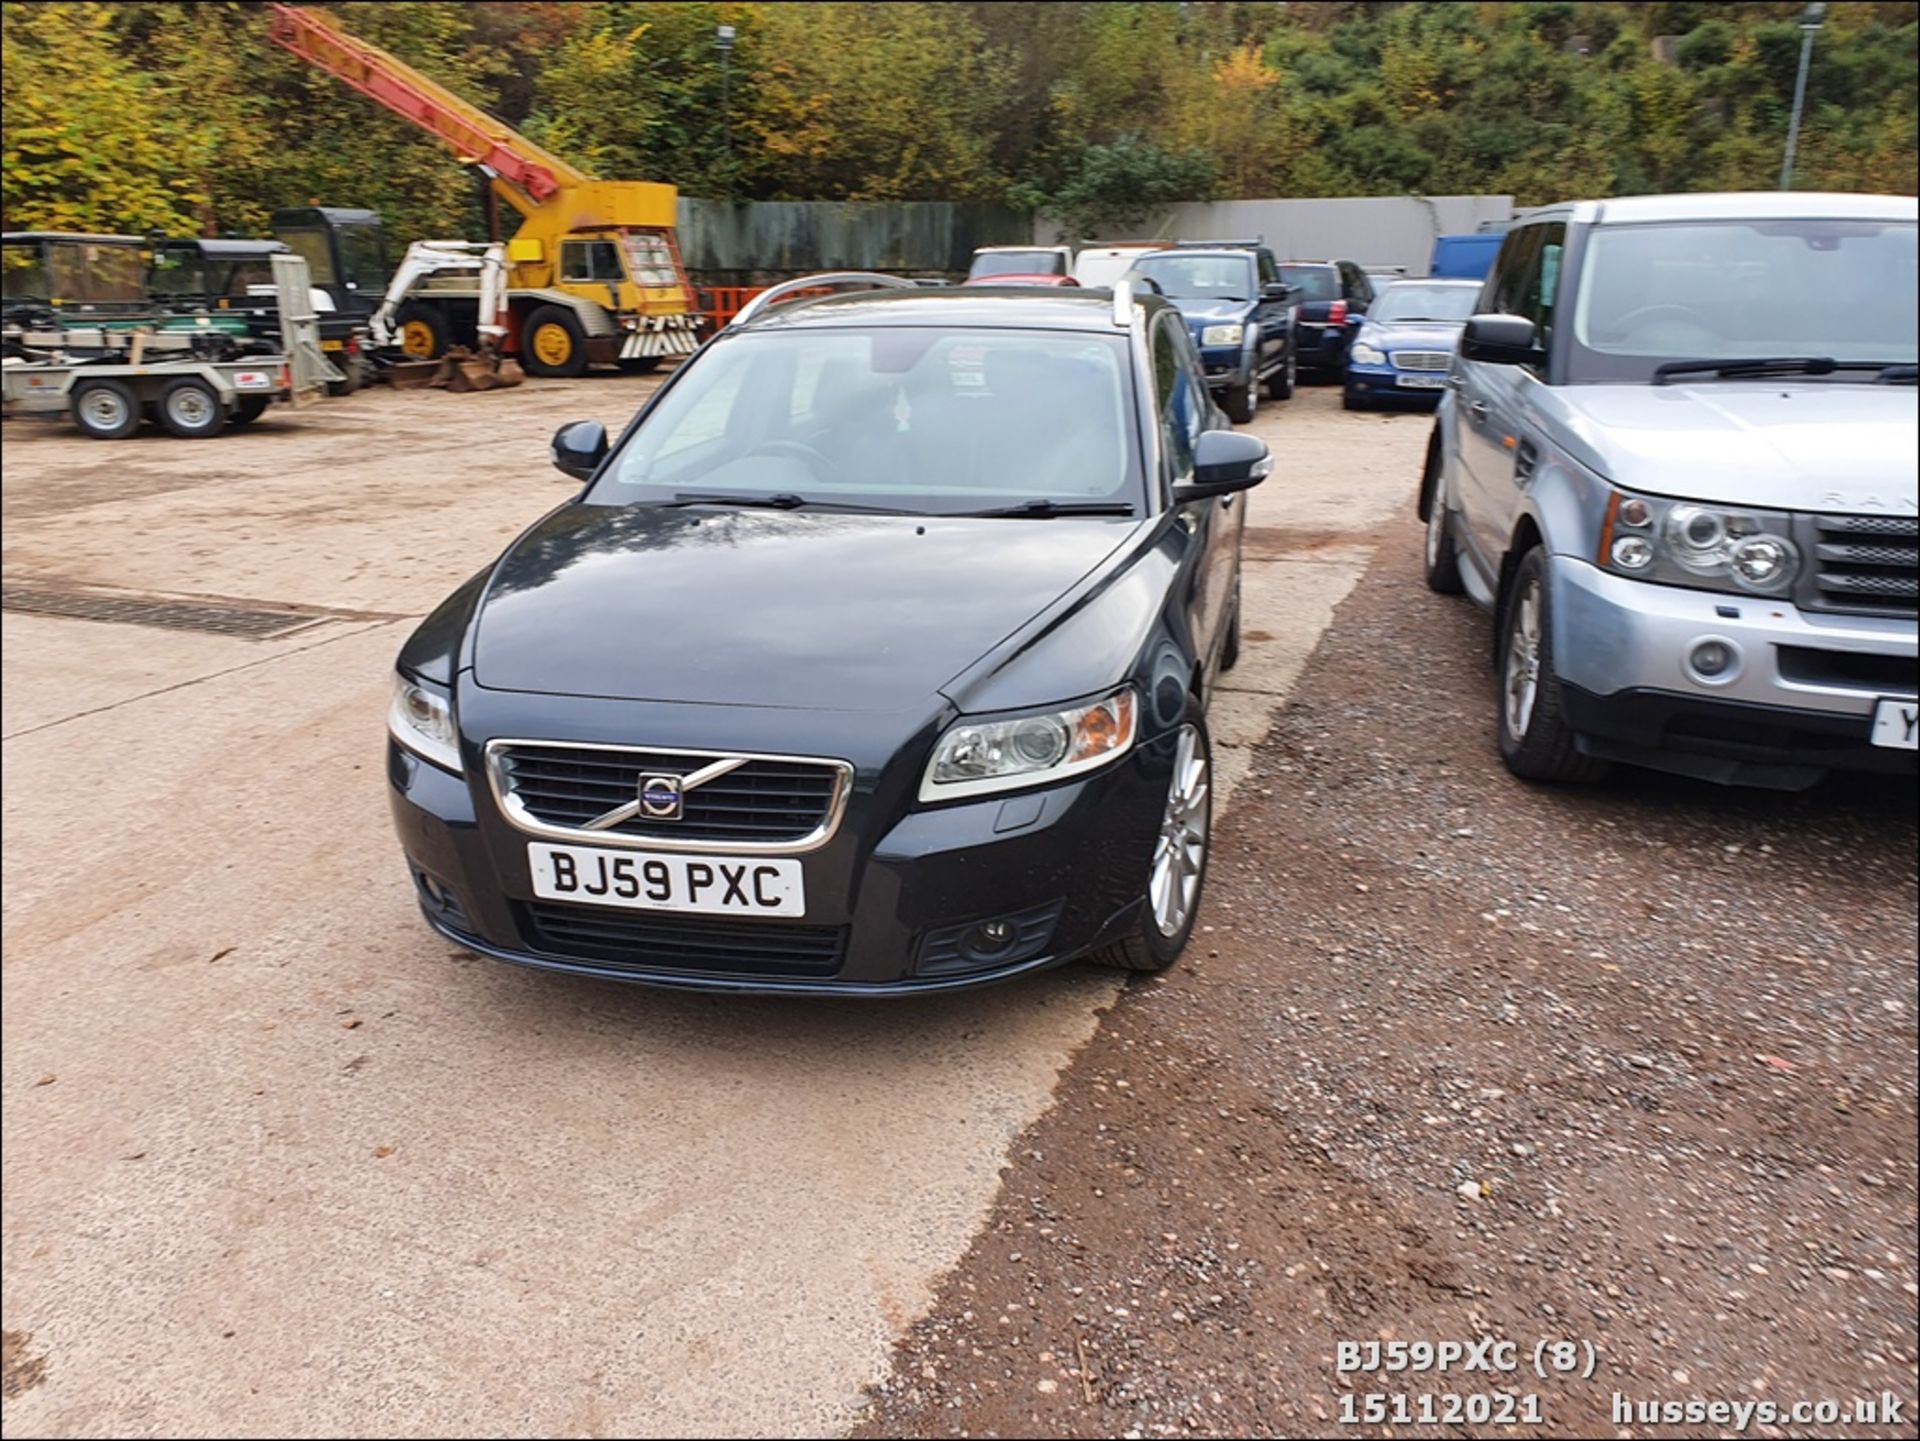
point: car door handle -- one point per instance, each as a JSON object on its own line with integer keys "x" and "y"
{"x": 1478, "y": 410}
{"x": 1457, "y": 381}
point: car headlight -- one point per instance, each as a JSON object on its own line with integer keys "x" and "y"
{"x": 1686, "y": 543}
{"x": 976, "y": 757}
{"x": 1363, "y": 354}
{"x": 1222, "y": 334}
{"x": 421, "y": 719}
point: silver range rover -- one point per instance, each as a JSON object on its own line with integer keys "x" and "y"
{"x": 1677, "y": 458}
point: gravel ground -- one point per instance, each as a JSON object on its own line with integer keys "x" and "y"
{"x": 1454, "y": 1057}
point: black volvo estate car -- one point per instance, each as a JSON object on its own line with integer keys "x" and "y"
{"x": 873, "y": 658}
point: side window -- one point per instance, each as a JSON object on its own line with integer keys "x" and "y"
{"x": 1507, "y": 287}
{"x": 1542, "y": 281}
{"x": 1181, "y": 412}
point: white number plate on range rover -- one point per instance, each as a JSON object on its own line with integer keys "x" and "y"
{"x": 656, "y": 881}
{"x": 1895, "y": 722}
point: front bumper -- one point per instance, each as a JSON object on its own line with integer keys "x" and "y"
{"x": 1226, "y": 366}
{"x": 1383, "y": 382}
{"x": 1800, "y": 696}
{"x": 884, "y": 900}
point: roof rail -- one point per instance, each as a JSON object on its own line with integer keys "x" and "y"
{"x": 815, "y": 282}
{"x": 1253, "y": 244}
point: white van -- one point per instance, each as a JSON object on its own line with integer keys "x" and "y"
{"x": 1104, "y": 264}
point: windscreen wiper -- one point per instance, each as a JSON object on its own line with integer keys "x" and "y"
{"x": 782, "y": 500}
{"x": 1770, "y": 365}
{"x": 1898, "y": 375}
{"x": 1045, "y": 509}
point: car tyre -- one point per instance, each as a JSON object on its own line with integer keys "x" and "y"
{"x": 191, "y": 409}
{"x": 1351, "y": 398}
{"x": 1441, "y": 562}
{"x": 1280, "y": 386}
{"x": 248, "y": 409}
{"x": 1171, "y": 904}
{"x": 353, "y": 376}
{"x": 104, "y": 409}
{"x": 1239, "y": 402}
{"x": 553, "y": 343}
{"x": 1535, "y": 740}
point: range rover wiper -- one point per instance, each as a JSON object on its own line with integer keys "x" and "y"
{"x": 1898, "y": 375}
{"x": 1769, "y": 365}
{"x": 1044, "y": 509}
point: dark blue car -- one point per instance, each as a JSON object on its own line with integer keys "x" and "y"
{"x": 1241, "y": 314}
{"x": 1404, "y": 348}
{"x": 1331, "y": 297}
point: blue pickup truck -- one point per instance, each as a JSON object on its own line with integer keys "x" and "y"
{"x": 1241, "y": 313}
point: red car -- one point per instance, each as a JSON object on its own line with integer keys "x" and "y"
{"x": 1021, "y": 279}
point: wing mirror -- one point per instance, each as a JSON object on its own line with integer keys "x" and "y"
{"x": 579, "y": 448}
{"x": 1277, "y": 290}
{"x": 1501, "y": 340}
{"x": 1224, "y": 461}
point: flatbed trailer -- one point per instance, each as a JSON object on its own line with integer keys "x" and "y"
{"x": 192, "y": 396}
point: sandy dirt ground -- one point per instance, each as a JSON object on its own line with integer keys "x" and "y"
{"x": 280, "y": 1161}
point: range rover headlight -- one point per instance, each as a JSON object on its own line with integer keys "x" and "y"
{"x": 977, "y": 757}
{"x": 1364, "y": 354}
{"x": 1713, "y": 547}
{"x": 421, "y": 719}
{"x": 1222, "y": 334}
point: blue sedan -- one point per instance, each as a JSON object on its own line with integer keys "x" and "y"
{"x": 1405, "y": 347}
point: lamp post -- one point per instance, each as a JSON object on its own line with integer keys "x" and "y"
{"x": 1810, "y": 19}
{"x": 723, "y": 42}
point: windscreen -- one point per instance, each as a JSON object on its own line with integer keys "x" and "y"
{"x": 1018, "y": 262}
{"x": 899, "y": 418}
{"x": 1199, "y": 277}
{"x": 1312, "y": 283}
{"x": 311, "y": 246}
{"x": 1841, "y": 289}
{"x": 23, "y": 275}
{"x": 1408, "y": 302}
{"x": 91, "y": 272}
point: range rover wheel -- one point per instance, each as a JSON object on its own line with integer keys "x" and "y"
{"x": 1442, "y": 559}
{"x": 1535, "y": 740}
{"x": 1178, "y": 873}
{"x": 1239, "y": 402}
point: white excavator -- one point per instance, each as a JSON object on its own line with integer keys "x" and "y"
{"x": 461, "y": 368}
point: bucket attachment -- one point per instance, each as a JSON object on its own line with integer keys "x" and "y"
{"x": 413, "y": 374}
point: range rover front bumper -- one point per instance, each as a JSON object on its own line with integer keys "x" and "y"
{"x": 1798, "y": 699}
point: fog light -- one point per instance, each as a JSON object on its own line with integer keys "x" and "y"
{"x": 989, "y": 939}
{"x": 1713, "y": 660}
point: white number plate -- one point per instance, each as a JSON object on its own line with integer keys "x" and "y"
{"x": 1420, "y": 382}
{"x": 654, "y": 881}
{"x": 1894, "y": 724}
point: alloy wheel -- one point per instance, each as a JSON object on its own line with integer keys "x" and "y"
{"x": 1180, "y": 856}
{"x": 1523, "y": 661}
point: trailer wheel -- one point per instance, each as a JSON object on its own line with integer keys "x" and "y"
{"x": 249, "y": 409}
{"x": 553, "y": 343}
{"x": 424, "y": 331}
{"x": 104, "y": 409}
{"x": 191, "y": 409}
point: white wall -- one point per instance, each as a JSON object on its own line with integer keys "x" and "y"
{"x": 1373, "y": 230}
